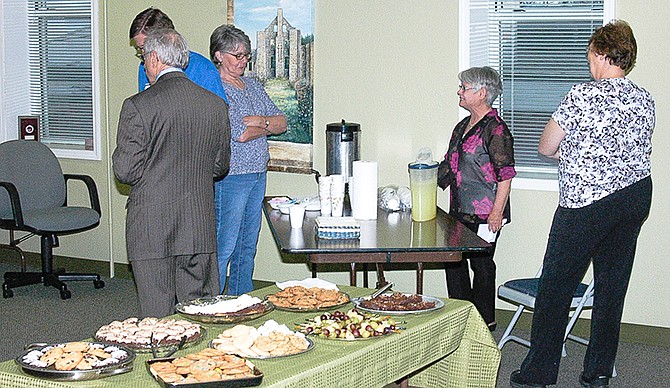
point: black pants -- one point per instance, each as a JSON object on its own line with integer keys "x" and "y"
{"x": 482, "y": 291}
{"x": 606, "y": 233}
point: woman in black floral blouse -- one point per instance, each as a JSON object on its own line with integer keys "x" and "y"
{"x": 479, "y": 167}
{"x": 601, "y": 136}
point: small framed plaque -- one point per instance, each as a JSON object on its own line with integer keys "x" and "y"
{"x": 29, "y": 127}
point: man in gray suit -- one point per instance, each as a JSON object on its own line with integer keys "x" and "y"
{"x": 173, "y": 140}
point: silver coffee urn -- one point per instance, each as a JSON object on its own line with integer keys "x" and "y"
{"x": 342, "y": 148}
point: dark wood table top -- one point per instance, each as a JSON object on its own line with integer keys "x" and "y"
{"x": 390, "y": 232}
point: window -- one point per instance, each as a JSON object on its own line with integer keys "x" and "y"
{"x": 539, "y": 49}
{"x": 50, "y": 69}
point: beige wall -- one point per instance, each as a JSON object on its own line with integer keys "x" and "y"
{"x": 391, "y": 66}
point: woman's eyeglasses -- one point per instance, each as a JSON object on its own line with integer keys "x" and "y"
{"x": 462, "y": 88}
{"x": 241, "y": 56}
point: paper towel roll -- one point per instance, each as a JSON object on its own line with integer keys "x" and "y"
{"x": 364, "y": 196}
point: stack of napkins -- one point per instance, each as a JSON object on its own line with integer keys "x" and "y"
{"x": 337, "y": 227}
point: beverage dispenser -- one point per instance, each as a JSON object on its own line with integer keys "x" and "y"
{"x": 423, "y": 184}
{"x": 342, "y": 148}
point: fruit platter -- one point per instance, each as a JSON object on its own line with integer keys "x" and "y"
{"x": 349, "y": 326}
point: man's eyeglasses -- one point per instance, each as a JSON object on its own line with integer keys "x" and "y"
{"x": 241, "y": 56}
{"x": 139, "y": 53}
{"x": 462, "y": 88}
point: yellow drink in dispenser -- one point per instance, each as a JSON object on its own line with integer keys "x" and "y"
{"x": 424, "y": 200}
{"x": 423, "y": 184}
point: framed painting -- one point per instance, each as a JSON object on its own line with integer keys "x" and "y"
{"x": 282, "y": 47}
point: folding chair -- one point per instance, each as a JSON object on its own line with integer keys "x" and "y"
{"x": 523, "y": 292}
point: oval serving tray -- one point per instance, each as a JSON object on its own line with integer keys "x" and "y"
{"x": 223, "y": 317}
{"x": 297, "y": 309}
{"x": 310, "y": 346}
{"x": 124, "y": 365}
{"x": 439, "y": 303}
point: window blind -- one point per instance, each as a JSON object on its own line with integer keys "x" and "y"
{"x": 60, "y": 67}
{"x": 539, "y": 49}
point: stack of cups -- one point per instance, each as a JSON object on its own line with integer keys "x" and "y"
{"x": 337, "y": 194}
{"x": 324, "y": 195}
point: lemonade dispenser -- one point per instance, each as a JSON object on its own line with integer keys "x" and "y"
{"x": 423, "y": 184}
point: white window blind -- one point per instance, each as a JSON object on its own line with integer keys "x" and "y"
{"x": 60, "y": 50}
{"x": 539, "y": 49}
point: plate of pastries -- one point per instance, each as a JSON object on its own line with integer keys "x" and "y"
{"x": 398, "y": 303}
{"x": 224, "y": 308}
{"x": 143, "y": 335}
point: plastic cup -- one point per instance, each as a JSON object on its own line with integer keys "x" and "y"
{"x": 296, "y": 215}
{"x": 337, "y": 195}
{"x": 297, "y": 239}
{"x": 324, "y": 195}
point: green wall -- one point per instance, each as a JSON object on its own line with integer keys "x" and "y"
{"x": 391, "y": 66}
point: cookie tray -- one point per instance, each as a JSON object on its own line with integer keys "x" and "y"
{"x": 228, "y": 383}
{"x": 123, "y": 366}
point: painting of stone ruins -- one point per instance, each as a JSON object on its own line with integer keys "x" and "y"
{"x": 282, "y": 59}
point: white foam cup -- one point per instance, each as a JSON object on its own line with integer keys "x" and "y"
{"x": 296, "y": 215}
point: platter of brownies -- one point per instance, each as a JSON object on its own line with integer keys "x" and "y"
{"x": 229, "y": 357}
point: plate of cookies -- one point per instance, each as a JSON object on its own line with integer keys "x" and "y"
{"x": 224, "y": 308}
{"x": 208, "y": 368}
{"x": 271, "y": 340}
{"x": 73, "y": 361}
{"x": 303, "y": 299}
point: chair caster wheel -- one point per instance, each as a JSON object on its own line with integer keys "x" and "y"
{"x": 7, "y": 293}
{"x": 65, "y": 294}
{"x": 98, "y": 284}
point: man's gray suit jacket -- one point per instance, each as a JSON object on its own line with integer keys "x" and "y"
{"x": 173, "y": 140}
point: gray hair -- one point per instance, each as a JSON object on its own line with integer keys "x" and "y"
{"x": 483, "y": 77}
{"x": 169, "y": 45}
{"x": 227, "y": 38}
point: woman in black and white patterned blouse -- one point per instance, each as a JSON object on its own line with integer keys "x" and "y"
{"x": 601, "y": 136}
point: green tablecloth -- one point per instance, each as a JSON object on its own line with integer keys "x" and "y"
{"x": 450, "y": 347}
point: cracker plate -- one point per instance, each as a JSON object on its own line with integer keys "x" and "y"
{"x": 310, "y": 346}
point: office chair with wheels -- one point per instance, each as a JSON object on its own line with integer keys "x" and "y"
{"x": 33, "y": 199}
{"x": 13, "y": 245}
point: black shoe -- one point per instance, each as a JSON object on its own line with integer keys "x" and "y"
{"x": 516, "y": 381}
{"x": 602, "y": 381}
{"x": 492, "y": 325}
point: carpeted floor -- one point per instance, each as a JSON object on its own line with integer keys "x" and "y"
{"x": 37, "y": 314}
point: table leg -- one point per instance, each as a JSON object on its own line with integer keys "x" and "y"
{"x": 313, "y": 270}
{"x": 365, "y": 275}
{"x": 419, "y": 278}
{"x": 381, "y": 280}
{"x": 352, "y": 274}
{"x": 404, "y": 383}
